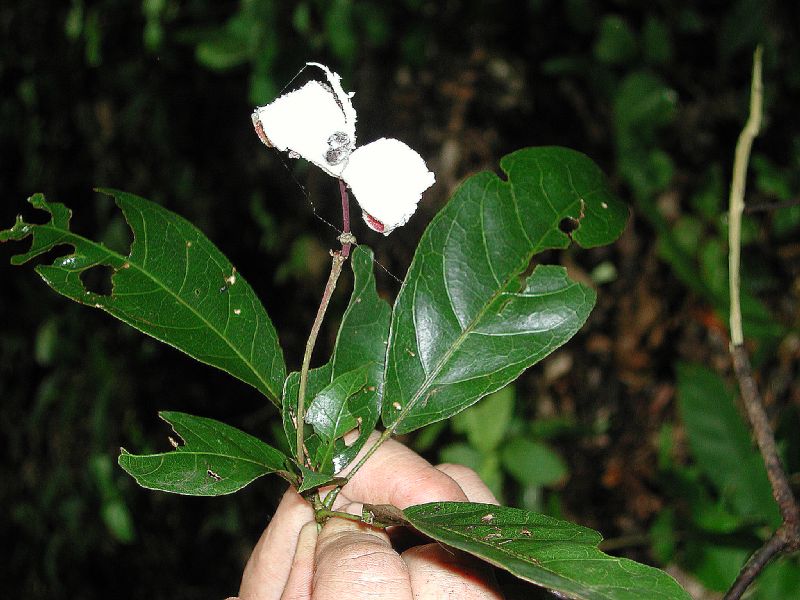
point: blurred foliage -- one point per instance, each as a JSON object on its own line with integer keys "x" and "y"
{"x": 155, "y": 98}
{"x": 723, "y": 503}
{"x": 509, "y": 453}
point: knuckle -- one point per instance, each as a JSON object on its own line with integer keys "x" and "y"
{"x": 457, "y": 471}
{"x": 428, "y": 485}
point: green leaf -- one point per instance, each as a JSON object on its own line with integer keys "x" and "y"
{"x": 223, "y": 51}
{"x": 362, "y": 339}
{"x": 533, "y": 463}
{"x": 313, "y": 480}
{"x": 656, "y": 41}
{"x": 341, "y": 37}
{"x": 216, "y": 459}
{"x": 331, "y": 416}
{"x": 781, "y": 579}
{"x": 317, "y": 380}
{"x": 616, "y": 41}
{"x": 643, "y": 99}
{"x": 485, "y": 424}
{"x": 715, "y": 565}
{"x": 175, "y": 286}
{"x": 328, "y": 413}
{"x": 465, "y": 324}
{"x": 551, "y": 553}
{"x": 360, "y": 345}
{"x": 485, "y": 464}
{"x": 721, "y": 444}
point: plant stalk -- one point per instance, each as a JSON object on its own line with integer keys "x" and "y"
{"x": 336, "y": 270}
{"x": 323, "y": 514}
{"x": 347, "y": 239}
{"x": 787, "y": 537}
{"x": 736, "y": 203}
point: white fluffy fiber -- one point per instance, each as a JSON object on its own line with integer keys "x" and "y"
{"x": 303, "y": 120}
{"x": 387, "y": 178}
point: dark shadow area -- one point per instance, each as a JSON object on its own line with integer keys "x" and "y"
{"x": 155, "y": 98}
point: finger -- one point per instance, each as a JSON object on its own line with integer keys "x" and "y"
{"x": 298, "y": 586}
{"x": 267, "y": 570}
{"x": 396, "y": 475}
{"x": 435, "y": 570}
{"x": 468, "y": 480}
{"x": 357, "y": 561}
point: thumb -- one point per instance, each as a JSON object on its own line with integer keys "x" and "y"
{"x": 356, "y": 561}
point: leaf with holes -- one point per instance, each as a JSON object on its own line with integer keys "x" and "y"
{"x": 466, "y": 321}
{"x": 175, "y": 285}
{"x": 216, "y": 459}
{"x": 551, "y": 553}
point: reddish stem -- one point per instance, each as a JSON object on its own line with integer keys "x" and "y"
{"x": 345, "y": 217}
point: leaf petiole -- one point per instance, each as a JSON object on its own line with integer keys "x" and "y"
{"x": 323, "y": 514}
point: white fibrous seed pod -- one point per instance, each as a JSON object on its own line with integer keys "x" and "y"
{"x": 387, "y": 178}
{"x": 318, "y": 123}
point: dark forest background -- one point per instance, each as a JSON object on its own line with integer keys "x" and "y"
{"x": 631, "y": 428}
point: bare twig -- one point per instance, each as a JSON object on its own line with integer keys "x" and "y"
{"x": 754, "y": 406}
{"x": 736, "y": 204}
{"x": 755, "y": 564}
{"x": 787, "y": 537}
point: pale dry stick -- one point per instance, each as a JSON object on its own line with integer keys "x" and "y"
{"x": 787, "y": 536}
{"x": 736, "y": 203}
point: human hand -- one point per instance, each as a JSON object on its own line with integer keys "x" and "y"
{"x": 352, "y": 561}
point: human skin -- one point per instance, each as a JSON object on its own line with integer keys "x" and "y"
{"x": 349, "y": 560}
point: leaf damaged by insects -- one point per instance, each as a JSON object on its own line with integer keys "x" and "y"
{"x": 162, "y": 287}
{"x": 554, "y": 554}
{"x": 465, "y": 322}
{"x": 215, "y": 459}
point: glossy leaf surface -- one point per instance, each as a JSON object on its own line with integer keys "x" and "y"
{"x": 317, "y": 380}
{"x": 360, "y": 347}
{"x": 551, "y": 553}
{"x": 216, "y": 459}
{"x": 465, "y": 323}
{"x": 175, "y": 286}
{"x": 330, "y": 414}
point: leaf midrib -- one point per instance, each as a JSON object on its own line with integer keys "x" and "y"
{"x": 538, "y": 565}
{"x": 429, "y": 378}
{"x": 178, "y": 452}
{"x": 70, "y": 234}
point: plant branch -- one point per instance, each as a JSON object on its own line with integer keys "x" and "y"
{"x": 754, "y": 407}
{"x": 736, "y": 204}
{"x": 788, "y": 535}
{"x": 755, "y": 564}
{"x": 336, "y": 270}
{"x": 347, "y": 239}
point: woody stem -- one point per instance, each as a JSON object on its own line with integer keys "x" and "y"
{"x": 336, "y": 269}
